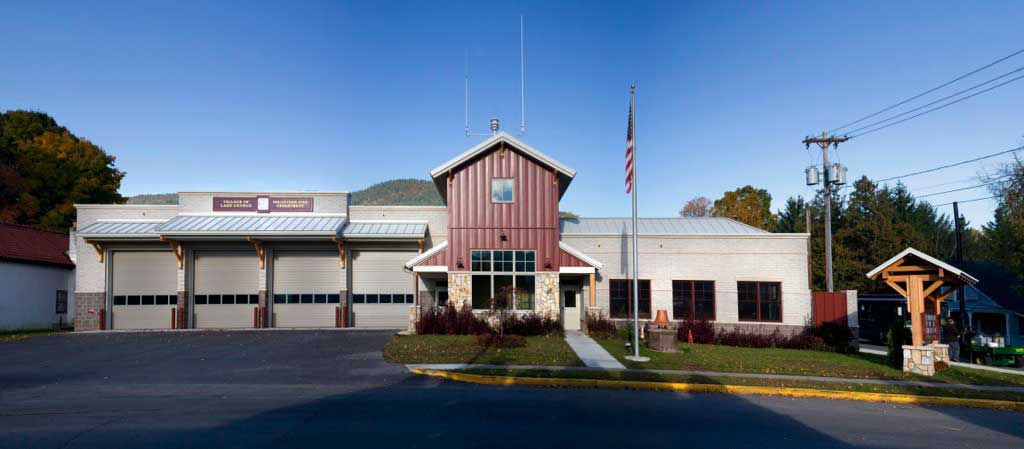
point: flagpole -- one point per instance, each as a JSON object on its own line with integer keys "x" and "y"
{"x": 636, "y": 281}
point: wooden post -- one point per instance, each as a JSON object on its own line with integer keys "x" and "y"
{"x": 915, "y": 303}
{"x": 593, "y": 290}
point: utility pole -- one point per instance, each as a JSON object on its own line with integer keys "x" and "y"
{"x": 965, "y": 322}
{"x": 824, "y": 142}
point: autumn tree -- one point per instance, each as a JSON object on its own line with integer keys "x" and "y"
{"x": 45, "y": 170}
{"x": 697, "y": 207}
{"x": 748, "y": 205}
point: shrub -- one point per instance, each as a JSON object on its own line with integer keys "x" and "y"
{"x": 449, "y": 321}
{"x": 531, "y": 324}
{"x": 703, "y": 331}
{"x": 775, "y": 339}
{"x": 897, "y": 336}
{"x": 599, "y": 326}
{"x": 490, "y": 340}
{"x": 941, "y": 366}
{"x": 835, "y": 336}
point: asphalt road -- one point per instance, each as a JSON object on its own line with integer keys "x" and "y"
{"x": 308, "y": 389}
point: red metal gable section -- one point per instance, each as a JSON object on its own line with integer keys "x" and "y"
{"x": 26, "y": 244}
{"x": 530, "y": 221}
{"x": 568, "y": 260}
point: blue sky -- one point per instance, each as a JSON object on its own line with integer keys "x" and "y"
{"x": 333, "y": 95}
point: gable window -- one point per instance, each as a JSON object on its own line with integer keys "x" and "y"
{"x": 693, "y": 300}
{"x": 501, "y": 190}
{"x": 495, "y": 270}
{"x": 760, "y": 301}
{"x": 621, "y": 298}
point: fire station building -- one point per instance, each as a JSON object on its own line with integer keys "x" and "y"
{"x": 312, "y": 260}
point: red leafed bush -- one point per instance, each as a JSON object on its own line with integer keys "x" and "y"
{"x": 451, "y": 321}
{"x": 531, "y": 324}
{"x": 599, "y": 326}
{"x": 703, "y": 331}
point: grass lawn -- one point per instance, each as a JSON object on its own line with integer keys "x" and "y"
{"x": 697, "y": 379}
{"x": 6, "y": 336}
{"x": 464, "y": 349}
{"x": 730, "y": 359}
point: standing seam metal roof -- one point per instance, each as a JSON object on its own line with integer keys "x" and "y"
{"x": 657, "y": 226}
{"x": 120, "y": 228}
{"x": 385, "y": 229}
{"x": 251, "y": 223}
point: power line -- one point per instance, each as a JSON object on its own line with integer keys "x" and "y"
{"x": 957, "y": 190}
{"x": 950, "y": 165}
{"x": 929, "y": 91}
{"x": 959, "y": 181}
{"x": 966, "y": 201}
{"x": 937, "y": 101}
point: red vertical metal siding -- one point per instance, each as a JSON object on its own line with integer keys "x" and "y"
{"x": 829, "y": 308}
{"x": 440, "y": 258}
{"x": 529, "y": 222}
{"x": 568, "y": 260}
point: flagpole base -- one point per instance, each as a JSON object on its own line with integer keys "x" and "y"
{"x": 634, "y": 358}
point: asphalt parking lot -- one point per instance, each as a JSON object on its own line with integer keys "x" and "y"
{"x": 304, "y": 389}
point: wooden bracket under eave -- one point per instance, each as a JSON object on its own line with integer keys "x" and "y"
{"x": 502, "y": 153}
{"x": 99, "y": 250}
{"x": 260, "y": 252}
{"x": 176, "y": 248}
{"x": 420, "y": 241}
{"x": 449, "y": 177}
{"x": 554, "y": 177}
{"x": 341, "y": 250}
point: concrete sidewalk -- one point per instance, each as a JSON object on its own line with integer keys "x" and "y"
{"x": 591, "y": 353}
{"x": 901, "y": 383}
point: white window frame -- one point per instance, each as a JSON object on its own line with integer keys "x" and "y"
{"x": 514, "y": 274}
{"x": 511, "y": 190}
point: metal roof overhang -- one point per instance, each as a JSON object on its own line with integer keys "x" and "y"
{"x": 376, "y": 231}
{"x": 121, "y": 231}
{"x": 243, "y": 227}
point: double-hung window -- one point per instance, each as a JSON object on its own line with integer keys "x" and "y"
{"x": 759, "y": 301}
{"x": 495, "y": 270}
{"x": 693, "y": 300}
{"x": 621, "y": 298}
{"x": 501, "y": 190}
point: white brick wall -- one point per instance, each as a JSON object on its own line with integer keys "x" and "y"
{"x": 90, "y": 275}
{"x": 723, "y": 259}
{"x": 436, "y": 217}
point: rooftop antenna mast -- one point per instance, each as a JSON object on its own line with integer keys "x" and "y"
{"x": 522, "y": 91}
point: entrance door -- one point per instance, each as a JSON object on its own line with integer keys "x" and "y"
{"x": 570, "y": 310}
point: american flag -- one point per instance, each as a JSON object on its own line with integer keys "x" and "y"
{"x": 629, "y": 151}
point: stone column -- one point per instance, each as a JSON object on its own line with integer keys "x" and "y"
{"x": 547, "y": 303}
{"x": 941, "y": 352}
{"x": 919, "y": 360}
{"x": 460, "y": 290}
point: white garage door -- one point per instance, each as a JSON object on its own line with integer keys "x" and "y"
{"x": 307, "y": 288}
{"x": 145, "y": 289}
{"x": 382, "y": 291}
{"x": 227, "y": 288}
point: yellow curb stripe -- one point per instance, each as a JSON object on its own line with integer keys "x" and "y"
{"x": 726, "y": 389}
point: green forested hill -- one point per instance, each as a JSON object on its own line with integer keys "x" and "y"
{"x": 398, "y": 192}
{"x": 154, "y": 198}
